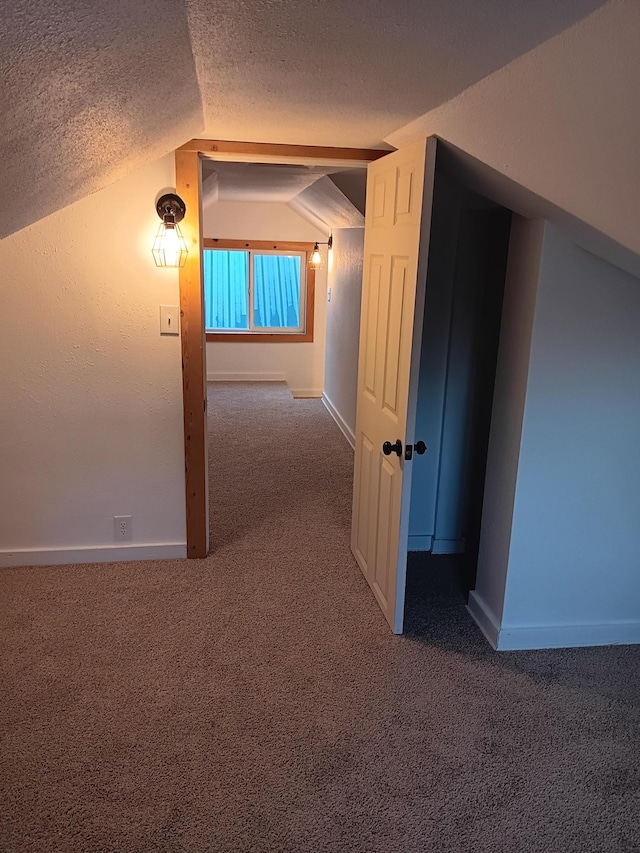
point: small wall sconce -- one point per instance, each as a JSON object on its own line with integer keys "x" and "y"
{"x": 169, "y": 247}
{"x": 315, "y": 261}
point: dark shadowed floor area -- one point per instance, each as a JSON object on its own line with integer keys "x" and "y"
{"x": 256, "y": 701}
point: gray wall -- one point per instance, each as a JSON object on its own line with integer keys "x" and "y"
{"x": 343, "y": 326}
{"x": 434, "y": 355}
{"x": 575, "y": 541}
{"x": 508, "y": 406}
{"x": 560, "y": 547}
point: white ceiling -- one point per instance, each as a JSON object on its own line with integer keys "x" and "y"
{"x": 261, "y": 182}
{"x": 309, "y": 190}
{"x": 90, "y": 91}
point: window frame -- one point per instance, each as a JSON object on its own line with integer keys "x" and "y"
{"x": 254, "y": 337}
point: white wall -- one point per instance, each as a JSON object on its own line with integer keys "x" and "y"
{"x": 300, "y": 365}
{"x": 561, "y": 120}
{"x": 572, "y": 575}
{"x": 91, "y": 414}
{"x": 343, "y": 328}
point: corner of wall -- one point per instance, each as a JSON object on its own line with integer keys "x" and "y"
{"x": 523, "y": 269}
{"x": 343, "y": 327}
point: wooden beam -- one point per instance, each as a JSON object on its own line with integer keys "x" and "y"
{"x": 194, "y": 377}
{"x": 213, "y": 147}
{"x": 258, "y": 245}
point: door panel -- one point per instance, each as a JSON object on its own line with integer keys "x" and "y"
{"x": 388, "y": 483}
{"x": 400, "y": 189}
{"x": 371, "y": 312}
{"x": 365, "y": 486}
{"x": 393, "y": 335}
{"x": 405, "y": 206}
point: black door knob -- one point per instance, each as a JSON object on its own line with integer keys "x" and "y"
{"x": 388, "y": 448}
{"x": 420, "y": 447}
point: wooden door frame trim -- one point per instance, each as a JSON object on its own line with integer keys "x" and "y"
{"x": 193, "y": 344}
{"x": 213, "y": 148}
{"x": 192, "y": 333}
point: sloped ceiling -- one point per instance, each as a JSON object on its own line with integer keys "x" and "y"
{"x": 263, "y": 182}
{"x": 563, "y": 122}
{"x": 349, "y": 72}
{"x": 89, "y": 91}
{"x": 311, "y": 191}
{"x": 323, "y": 204}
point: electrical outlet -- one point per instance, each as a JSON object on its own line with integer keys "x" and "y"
{"x": 122, "y": 528}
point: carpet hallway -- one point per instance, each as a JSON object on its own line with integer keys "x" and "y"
{"x": 256, "y": 701}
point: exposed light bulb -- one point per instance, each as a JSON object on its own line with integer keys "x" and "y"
{"x": 171, "y": 245}
{"x": 315, "y": 262}
{"x": 170, "y": 248}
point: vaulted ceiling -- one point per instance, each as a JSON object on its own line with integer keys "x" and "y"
{"x": 89, "y": 91}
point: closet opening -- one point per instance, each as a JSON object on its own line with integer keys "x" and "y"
{"x": 461, "y": 331}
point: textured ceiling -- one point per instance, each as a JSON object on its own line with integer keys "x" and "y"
{"x": 89, "y": 91}
{"x": 349, "y": 72}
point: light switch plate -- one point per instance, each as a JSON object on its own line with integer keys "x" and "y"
{"x": 169, "y": 320}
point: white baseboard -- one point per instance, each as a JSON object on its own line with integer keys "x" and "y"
{"x": 484, "y": 618}
{"x": 568, "y": 636}
{"x": 109, "y": 554}
{"x": 420, "y": 543}
{"x": 306, "y": 393}
{"x": 448, "y": 546}
{"x": 302, "y": 393}
{"x": 340, "y": 421}
{"x": 245, "y": 377}
{"x": 522, "y": 637}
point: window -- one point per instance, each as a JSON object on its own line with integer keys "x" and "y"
{"x": 258, "y": 291}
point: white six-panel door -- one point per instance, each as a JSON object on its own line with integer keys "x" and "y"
{"x": 398, "y": 216}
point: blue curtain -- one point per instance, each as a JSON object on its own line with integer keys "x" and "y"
{"x": 276, "y": 291}
{"x": 225, "y": 289}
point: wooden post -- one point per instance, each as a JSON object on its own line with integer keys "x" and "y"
{"x": 194, "y": 378}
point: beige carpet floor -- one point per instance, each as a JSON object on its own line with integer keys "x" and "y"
{"x": 255, "y": 701}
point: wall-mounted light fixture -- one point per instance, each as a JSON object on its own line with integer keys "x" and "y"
{"x": 315, "y": 261}
{"x": 169, "y": 247}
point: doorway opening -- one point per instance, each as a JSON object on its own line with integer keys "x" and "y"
{"x": 189, "y": 183}
{"x": 458, "y": 360}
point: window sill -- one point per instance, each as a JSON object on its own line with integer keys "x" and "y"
{"x": 259, "y": 338}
